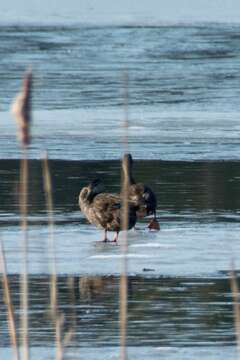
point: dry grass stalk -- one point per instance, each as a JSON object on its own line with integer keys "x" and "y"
{"x": 24, "y": 275}
{"x": 68, "y": 337}
{"x": 21, "y": 109}
{"x": 49, "y": 203}
{"x": 8, "y": 301}
{"x": 57, "y": 318}
{"x": 58, "y": 335}
{"x": 123, "y": 291}
{"x": 236, "y": 305}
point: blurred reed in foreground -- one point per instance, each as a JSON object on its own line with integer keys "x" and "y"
{"x": 61, "y": 339}
{"x": 9, "y": 304}
{"x": 123, "y": 292}
{"x": 236, "y": 305}
{"x": 21, "y": 109}
{"x": 52, "y": 261}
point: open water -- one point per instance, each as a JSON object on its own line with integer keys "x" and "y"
{"x": 183, "y": 131}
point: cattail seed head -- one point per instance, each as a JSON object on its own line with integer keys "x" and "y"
{"x": 21, "y": 109}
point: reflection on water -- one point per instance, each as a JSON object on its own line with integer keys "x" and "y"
{"x": 162, "y": 311}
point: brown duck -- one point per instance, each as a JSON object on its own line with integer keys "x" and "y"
{"x": 139, "y": 193}
{"x": 104, "y": 210}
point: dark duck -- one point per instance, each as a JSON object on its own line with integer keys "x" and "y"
{"x": 104, "y": 210}
{"x": 139, "y": 193}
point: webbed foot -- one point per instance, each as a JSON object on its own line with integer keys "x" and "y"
{"x": 154, "y": 225}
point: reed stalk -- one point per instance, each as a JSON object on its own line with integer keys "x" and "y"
{"x": 49, "y": 203}
{"x": 236, "y": 306}
{"x": 53, "y": 279}
{"x": 8, "y": 300}
{"x": 24, "y": 173}
{"x": 123, "y": 290}
{"x": 21, "y": 109}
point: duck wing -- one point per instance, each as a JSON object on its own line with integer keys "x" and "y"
{"x": 108, "y": 210}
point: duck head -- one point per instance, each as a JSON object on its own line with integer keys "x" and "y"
{"x": 96, "y": 187}
{"x": 88, "y": 193}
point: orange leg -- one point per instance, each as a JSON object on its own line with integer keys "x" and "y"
{"x": 116, "y": 237}
{"x": 154, "y": 224}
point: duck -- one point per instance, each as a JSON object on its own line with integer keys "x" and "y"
{"x": 140, "y": 194}
{"x": 104, "y": 210}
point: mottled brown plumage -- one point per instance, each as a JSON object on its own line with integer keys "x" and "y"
{"x": 139, "y": 193}
{"x": 104, "y": 210}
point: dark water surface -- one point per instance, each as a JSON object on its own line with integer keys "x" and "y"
{"x": 207, "y": 187}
